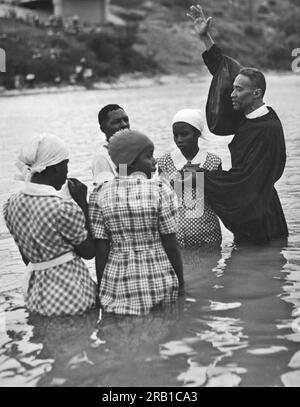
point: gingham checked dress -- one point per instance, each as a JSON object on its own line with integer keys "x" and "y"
{"x": 45, "y": 227}
{"x": 132, "y": 212}
{"x": 198, "y": 226}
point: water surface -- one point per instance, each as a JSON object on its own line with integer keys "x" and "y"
{"x": 239, "y": 324}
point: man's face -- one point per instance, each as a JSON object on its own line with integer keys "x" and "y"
{"x": 243, "y": 93}
{"x": 116, "y": 120}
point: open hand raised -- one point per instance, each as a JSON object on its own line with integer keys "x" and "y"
{"x": 201, "y": 23}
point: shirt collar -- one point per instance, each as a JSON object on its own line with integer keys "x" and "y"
{"x": 261, "y": 111}
{"x": 34, "y": 189}
{"x": 134, "y": 175}
{"x": 179, "y": 159}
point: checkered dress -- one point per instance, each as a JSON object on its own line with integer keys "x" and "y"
{"x": 45, "y": 227}
{"x": 132, "y": 213}
{"x": 202, "y": 227}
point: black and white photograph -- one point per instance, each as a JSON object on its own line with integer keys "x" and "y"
{"x": 149, "y": 194}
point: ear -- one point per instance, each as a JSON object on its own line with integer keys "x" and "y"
{"x": 257, "y": 93}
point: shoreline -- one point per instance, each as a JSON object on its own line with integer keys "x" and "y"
{"x": 125, "y": 81}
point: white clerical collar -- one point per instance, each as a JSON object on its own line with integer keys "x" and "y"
{"x": 34, "y": 189}
{"x": 261, "y": 111}
{"x": 180, "y": 161}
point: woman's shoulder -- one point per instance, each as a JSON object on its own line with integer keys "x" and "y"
{"x": 212, "y": 158}
{"x": 69, "y": 208}
{"x": 164, "y": 158}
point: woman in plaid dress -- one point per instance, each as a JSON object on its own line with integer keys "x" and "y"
{"x": 133, "y": 219}
{"x": 51, "y": 233}
{"x": 198, "y": 225}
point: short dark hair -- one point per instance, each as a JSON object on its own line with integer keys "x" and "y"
{"x": 103, "y": 113}
{"x": 256, "y": 77}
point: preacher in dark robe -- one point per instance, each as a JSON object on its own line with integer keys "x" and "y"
{"x": 244, "y": 197}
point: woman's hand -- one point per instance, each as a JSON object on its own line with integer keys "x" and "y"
{"x": 201, "y": 23}
{"x": 190, "y": 168}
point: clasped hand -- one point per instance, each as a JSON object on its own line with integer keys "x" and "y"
{"x": 78, "y": 191}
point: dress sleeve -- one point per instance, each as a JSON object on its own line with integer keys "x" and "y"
{"x": 96, "y": 219}
{"x": 71, "y": 223}
{"x": 168, "y": 209}
{"x": 5, "y": 214}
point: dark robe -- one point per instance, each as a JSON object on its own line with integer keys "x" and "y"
{"x": 244, "y": 197}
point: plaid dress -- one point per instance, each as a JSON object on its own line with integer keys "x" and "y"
{"x": 198, "y": 225}
{"x": 132, "y": 213}
{"x": 45, "y": 227}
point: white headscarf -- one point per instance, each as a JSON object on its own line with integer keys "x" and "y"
{"x": 194, "y": 117}
{"x": 39, "y": 153}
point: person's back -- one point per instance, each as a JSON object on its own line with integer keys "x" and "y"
{"x": 51, "y": 233}
{"x": 131, "y": 208}
{"x": 35, "y": 222}
{"x": 136, "y": 216}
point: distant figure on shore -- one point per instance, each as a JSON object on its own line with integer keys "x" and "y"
{"x": 133, "y": 222}
{"x": 244, "y": 197}
{"x": 50, "y": 232}
{"x": 198, "y": 225}
{"x": 111, "y": 118}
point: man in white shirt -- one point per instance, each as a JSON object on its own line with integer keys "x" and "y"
{"x": 111, "y": 118}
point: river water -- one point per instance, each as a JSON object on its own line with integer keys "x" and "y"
{"x": 239, "y": 324}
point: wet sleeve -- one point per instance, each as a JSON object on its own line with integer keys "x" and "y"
{"x": 221, "y": 118}
{"x": 71, "y": 223}
{"x": 213, "y": 59}
{"x": 168, "y": 209}
{"x": 96, "y": 219}
{"x": 240, "y": 194}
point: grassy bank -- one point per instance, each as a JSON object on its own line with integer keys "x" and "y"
{"x": 58, "y": 56}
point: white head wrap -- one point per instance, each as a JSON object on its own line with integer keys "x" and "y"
{"x": 194, "y": 117}
{"x": 39, "y": 153}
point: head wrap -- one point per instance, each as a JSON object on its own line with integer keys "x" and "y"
{"x": 126, "y": 145}
{"x": 194, "y": 117}
{"x": 39, "y": 153}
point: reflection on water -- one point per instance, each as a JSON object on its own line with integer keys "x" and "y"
{"x": 239, "y": 324}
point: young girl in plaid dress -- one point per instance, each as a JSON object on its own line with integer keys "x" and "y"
{"x": 133, "y": 219}
{"x": 51, "y": 232}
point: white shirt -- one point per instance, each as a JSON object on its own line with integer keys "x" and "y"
{"x": 261, "y": 111}
{"x": 103, "y": 168}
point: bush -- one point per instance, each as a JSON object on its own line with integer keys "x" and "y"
{"x": 290, "y": 22}
{"x": 253, "y": 31}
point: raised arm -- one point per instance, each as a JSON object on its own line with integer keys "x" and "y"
{"x": 220, "y": 115}
{"x": 202, "y": 25}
